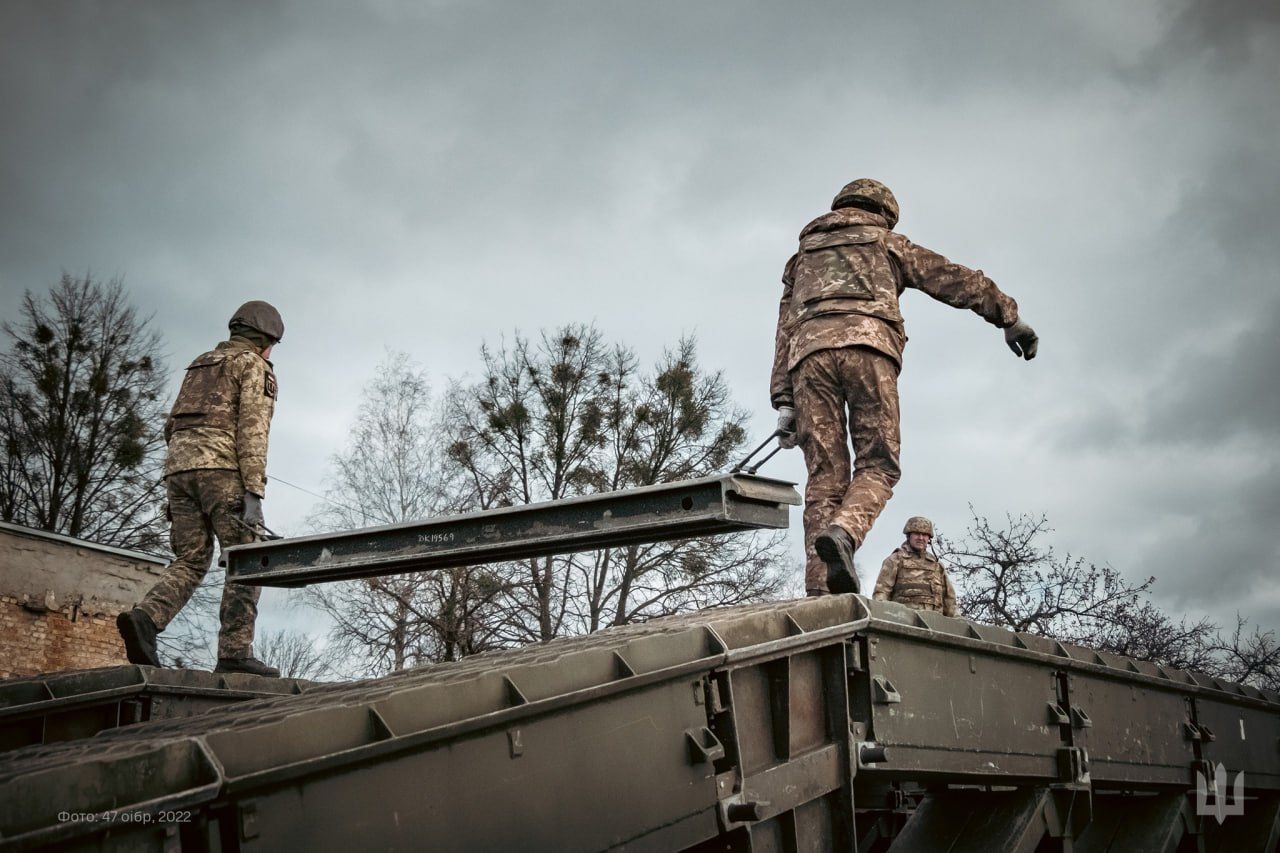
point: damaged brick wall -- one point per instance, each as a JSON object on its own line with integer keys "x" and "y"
{"x": 59, "y": 598}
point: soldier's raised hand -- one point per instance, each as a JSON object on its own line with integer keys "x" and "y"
{"x": 786, "y": 427}
{"x": 1022, "y": 339}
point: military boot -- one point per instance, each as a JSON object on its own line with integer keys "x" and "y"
{"x": 252, "y": 666}
{"x": 139, "y": 635}
{"x": 835, "y": 547}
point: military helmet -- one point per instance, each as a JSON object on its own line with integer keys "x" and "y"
{"x": 261, "y": 316}
{"x": 919, "y": 524}
{"x": 868, "y": 194}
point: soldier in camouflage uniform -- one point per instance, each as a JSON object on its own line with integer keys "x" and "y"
{"x": 913, "y": 576}
{"x": 839, "y": 349}
{"x": 216, "y": 474}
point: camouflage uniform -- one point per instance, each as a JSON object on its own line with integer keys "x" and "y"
{"x": 217, "y": 434}
{"x": 839, "y": 346}
{"x": 917, "y": 580}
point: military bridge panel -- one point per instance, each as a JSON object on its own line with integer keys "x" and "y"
{"x": 832, "y": 723}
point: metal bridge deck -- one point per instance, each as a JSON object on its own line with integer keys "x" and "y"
{"x": 819, "y": 724}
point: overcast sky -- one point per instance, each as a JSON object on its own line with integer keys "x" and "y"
{"x": 424, "y": 176}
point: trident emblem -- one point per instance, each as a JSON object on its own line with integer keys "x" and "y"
{"x": 1222, "y": 808}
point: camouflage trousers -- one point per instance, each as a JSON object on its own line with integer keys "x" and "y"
{"x": 849, "y": 493}
{"x": 202, "y": 505}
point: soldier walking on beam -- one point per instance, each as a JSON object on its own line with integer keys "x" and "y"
{"x": 839, "y": 350}
{"x": 216, "y": 475}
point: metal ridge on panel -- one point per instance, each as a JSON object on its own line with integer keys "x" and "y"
{"x": 897, "y": 618}
{"x": 711, "y": 505}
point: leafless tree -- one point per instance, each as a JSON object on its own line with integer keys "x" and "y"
{"x": 190, "y": 640}
{"x": 393, "y": 470}
{"x": 568, "y": 415}
{"x": 82, "y": 414}
{"x": 295, "y": 654}
{"x": 1249, "y": 655}
{"x": 1007, "y": 576}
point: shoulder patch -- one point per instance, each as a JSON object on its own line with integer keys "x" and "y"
{"x": 269, "y": 387}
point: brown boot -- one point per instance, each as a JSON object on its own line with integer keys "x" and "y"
{"x": 835, "y": 547}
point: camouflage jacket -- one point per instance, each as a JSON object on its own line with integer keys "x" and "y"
{"x": 842, "y": 288}
{"x": 222, "y": 416}
{"x": 916, "y": 580}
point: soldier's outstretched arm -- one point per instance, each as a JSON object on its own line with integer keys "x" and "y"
{"x": 961, "y": 287}
{"x": 780, "y": 393}
{"x": 887, "y": 579}
{"x": 257, "y": 404}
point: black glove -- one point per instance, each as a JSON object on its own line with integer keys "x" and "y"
{"x": 786, "y": 427}
{"x": 253, "y": 512}
{"x": 1022, "y": 339}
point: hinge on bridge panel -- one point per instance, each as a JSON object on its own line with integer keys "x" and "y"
{"x": 1057, "y": 716}
{"x": 1080, "y": 720}
{"x": 1195, "y": 731}
{"x": 852, "y": 656}
{"x": 1073, "y": 764}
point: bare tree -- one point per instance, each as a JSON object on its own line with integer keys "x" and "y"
{"x": 1007, "y": 577}
{"x": 568, "y": 415}
{"x": 393, "y": 470}
{"x": 189, "y": 641}
{"x": 296, "y": 654}
{"x": 1250, "y": 656}
{"x": 82, "y": 414}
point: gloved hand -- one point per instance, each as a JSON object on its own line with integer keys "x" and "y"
{"x": 787, "y": 427}
{"x": 1022, "y": 339}
{"x": 253, "y": 512}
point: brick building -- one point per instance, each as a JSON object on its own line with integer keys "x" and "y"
{"x": 59, "y": 598}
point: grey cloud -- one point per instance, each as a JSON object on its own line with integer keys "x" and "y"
{"x": 427, "y": 175}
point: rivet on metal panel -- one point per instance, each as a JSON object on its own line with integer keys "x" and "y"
{"x": 883, "y": 691}
{"x": 515, "y": 740}
{"x": 248, "y": 821}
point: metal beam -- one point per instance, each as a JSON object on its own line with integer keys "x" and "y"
{"x": 712, "y": 505}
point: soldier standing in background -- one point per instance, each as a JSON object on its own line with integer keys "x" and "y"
{"x": 216, "y": 474}
{"x": 839, "y": 346}
{"x": 913, "y": 576}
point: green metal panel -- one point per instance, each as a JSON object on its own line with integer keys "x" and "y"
{"x": 749, "y": 728}
{"x": 71, "y": 705}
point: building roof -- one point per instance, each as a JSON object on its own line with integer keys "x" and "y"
{"x": 33, "y": 533}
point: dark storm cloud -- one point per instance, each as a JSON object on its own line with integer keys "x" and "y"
{"x": 425, "y": 175}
